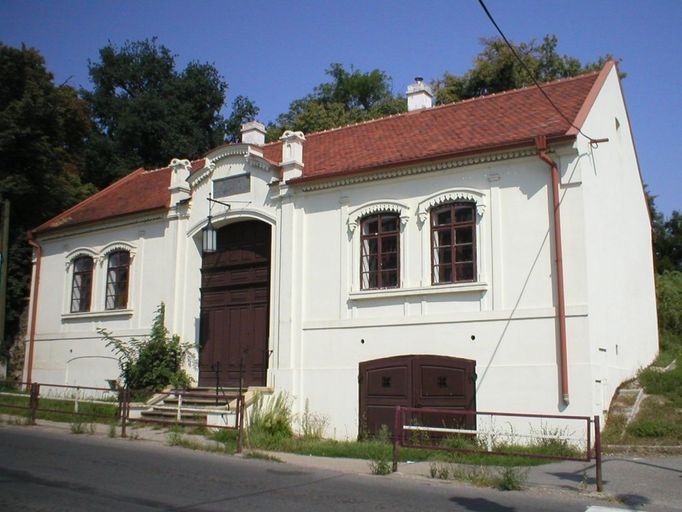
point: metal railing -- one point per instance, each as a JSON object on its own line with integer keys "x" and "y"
{"x": 402, "y": 427}
{"x": 39, "y": 398}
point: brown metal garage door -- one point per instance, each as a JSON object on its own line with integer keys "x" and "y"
{"x": 420, "y": 381}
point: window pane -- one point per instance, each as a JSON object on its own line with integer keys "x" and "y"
{"x": 389, "y": 223}
{"x": 464, "y": 235}
{"x": 369, "y": 280}
{"x": 442, "y": 274}
{"x": 389, "y": 261}
{"x": 370, "y": 263}
{"x": 370, "y": 246}
{"x": 370, "y": 226}
{"x": 465, "y": 271}
{"x": 464, "y": 253}
{"x": 442, "y": 217}
{"x": 389, "y": 244}
{"x": 444, "y": 237}
{"x": 464, "y": 214}
{"x": 389, "y": 279}
{"x": 444, "y": 255}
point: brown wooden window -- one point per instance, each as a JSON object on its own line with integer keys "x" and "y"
{"x": 117, "y": 280}
{"x": 380, "y": 252}
{"x": 81, "y": 284}
{"x": 453, "y": 243}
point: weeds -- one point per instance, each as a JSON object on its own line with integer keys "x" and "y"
{"x": 270, "y": 423}
{"x": 380, "y": 465}
{"x": 78, "y": 427}
{"x": 251, "y": 454}
{"x": 312, "y": 425}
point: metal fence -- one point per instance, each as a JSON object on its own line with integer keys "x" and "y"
{"x": 36, "y": 398}
{"x": 413, "y": 434}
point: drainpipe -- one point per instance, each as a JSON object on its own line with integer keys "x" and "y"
{"x": 34, "y": 306}
{"x": 541, "y": 144}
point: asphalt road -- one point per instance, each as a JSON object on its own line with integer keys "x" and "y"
{"x": 53, "y": 471}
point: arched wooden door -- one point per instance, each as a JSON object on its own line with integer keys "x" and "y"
{"x": 235, "y": 306}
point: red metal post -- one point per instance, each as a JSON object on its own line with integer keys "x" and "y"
{"x": 240, "y": 428}
{"x": 125, "y": 411}
{"x": 33, "y": 401}
{"x": 597, "y": 454}
{"x": 397, "y": 428}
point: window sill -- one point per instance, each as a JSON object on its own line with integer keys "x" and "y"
{"x": 98, "y": 314}
{"x": 437, "y": 289}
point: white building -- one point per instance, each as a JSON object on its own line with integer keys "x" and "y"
{"x": 430, "y": 233}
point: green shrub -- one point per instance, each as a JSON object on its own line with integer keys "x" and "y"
{"x": 380, "y": 465}
{"x": 270, "y": 422}
{"x": 153, "y": 362}
{"x": 651, "y": 427}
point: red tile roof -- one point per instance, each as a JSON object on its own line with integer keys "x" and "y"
{"x": 487, "y": 123}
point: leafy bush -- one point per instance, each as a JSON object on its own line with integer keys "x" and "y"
{"x": 512, "y": 479}
{"x": 380, "y": 465}
{"x": 153, "y": 362}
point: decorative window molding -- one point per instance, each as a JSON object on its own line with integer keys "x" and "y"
{"x": 452, "y": 196}
{"x": 117, "y": 246}
{"x": 356, "y": 216}
{"x": 79, "y": 252}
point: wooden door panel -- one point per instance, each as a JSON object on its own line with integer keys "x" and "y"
{"x": 235, "y": 297}
{"x": 416, "y": 381}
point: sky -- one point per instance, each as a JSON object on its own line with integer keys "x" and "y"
{"x": 277, "y": 51}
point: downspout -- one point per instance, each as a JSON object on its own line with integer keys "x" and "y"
{"x": 34, "y": 306}
{"x": 541, "y": 144}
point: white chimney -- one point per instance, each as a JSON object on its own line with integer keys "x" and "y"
{"x": 419, "y": 95}
{"x": 292, "y": 154}
{"x": 253, "y": 132}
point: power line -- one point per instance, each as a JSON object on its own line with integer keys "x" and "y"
{"x": 593, "y": 142}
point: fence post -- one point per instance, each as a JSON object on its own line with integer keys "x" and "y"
{"x": 240, "y": 427}
{"x": 33, "y": 401}
{"x": 125, "y": 403}
{"x": 397, "y": 428}
{"x": 597, "y": 454}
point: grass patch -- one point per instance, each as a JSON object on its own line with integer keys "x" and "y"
{"x": 60, "y": 410}
{"x": 184, "y": 441}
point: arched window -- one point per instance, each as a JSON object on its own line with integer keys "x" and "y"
{"x": 81, "y": 284}
{"x": 118, "y": 268}
{"x": 380, "y": 251}
{"x": 453, "y": 243}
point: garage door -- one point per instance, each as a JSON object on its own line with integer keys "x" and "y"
{"x": 419, "y": 381}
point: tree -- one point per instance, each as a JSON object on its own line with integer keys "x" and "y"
{"x": 350, "y": 97}
{"x": 667, "y": 237}
{"x": 496, "y": 69}
{"x": 43, "y": 129}
{"x": 147, "y": 112}
{"x": 243, "y": 110}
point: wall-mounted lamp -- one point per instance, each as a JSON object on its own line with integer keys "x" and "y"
{"x": 209, "y": 238}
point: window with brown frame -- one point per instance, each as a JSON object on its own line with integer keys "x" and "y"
{"x": 380, "y": 251}
{"x": 81, "y": 284}
{"x": 453, "y": 243}
{"x": 117, "y": 280}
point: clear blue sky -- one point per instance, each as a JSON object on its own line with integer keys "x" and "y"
{"x": 277, "y": 51}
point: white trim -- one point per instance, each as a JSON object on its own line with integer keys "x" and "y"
{"x": 97, "y": 314}
{"x": 375, "y": 207}
{"x": 436, "y": 289}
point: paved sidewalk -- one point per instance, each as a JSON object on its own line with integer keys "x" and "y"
{"x": 631, "y": 483}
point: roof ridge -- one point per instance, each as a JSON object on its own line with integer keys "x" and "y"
{"x": 451, "y": 104}
{"x": 90, "y": 199}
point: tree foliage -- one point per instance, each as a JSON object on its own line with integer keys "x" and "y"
{"x": 350, "y": 97}
{"x": 243, "y": 110}
{"x": 146, "y": 111}
{"x": 154, "y": 362}
{"x": 667, "y": 236}
{"x": 43, "y": 130}
{"x": 496, "y": 69}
